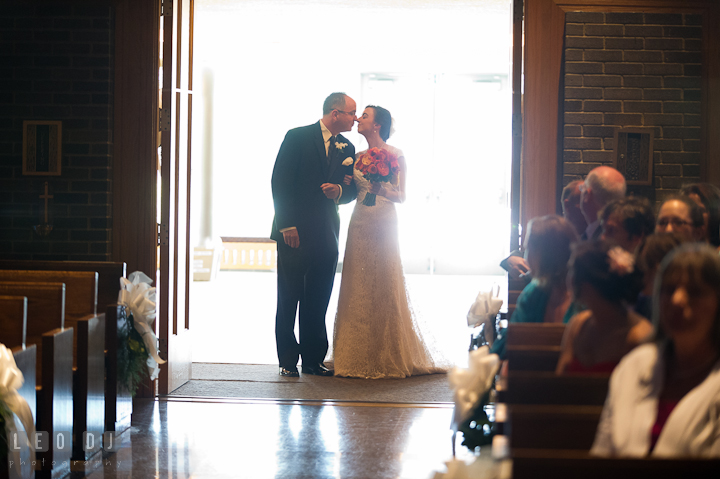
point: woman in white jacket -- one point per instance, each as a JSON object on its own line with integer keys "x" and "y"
{"x": 664, "y": 397}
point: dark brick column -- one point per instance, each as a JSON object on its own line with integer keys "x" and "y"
{"x": 56, "y": 63}
{"x": 633, "y": 70}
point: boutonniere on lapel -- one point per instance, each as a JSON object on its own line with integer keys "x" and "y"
{"x": 340, "y": 146}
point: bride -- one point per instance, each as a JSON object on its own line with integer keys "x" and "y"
{"x": 376, "y": 334}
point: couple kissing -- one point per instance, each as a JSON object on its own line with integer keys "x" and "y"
{"x": 317, "y": 169}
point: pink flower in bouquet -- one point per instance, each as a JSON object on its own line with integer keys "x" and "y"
{"x": 377, "y": 165}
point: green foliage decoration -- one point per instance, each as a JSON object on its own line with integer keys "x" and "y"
{"x": 478, "y": 430}
{"x": 5, "y": 416}
{"x": 132, "y": 357}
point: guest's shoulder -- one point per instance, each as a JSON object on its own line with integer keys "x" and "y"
{"x": 640, "y": 358}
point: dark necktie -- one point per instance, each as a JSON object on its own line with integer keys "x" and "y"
{"x": 331, "y": 149}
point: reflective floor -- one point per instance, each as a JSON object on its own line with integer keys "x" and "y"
{"x": 203, "y": 438}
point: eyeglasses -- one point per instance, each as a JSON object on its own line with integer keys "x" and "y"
{"x": 347, "y": 112}
{"x": 675, "y": 222}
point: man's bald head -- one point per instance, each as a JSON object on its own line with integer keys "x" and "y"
{"x": 602, "y": 185}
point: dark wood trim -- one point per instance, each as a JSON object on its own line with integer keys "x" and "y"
{"x": 135, "y": 134}
{"x": 655, "y": 6}
{"x": 516, "y": 161}
{"x": 544, "y": 34}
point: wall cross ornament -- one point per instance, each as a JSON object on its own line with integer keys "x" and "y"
{"x": 45, "y": 228}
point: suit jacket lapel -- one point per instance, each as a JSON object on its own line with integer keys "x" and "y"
{"x": 336, "y": 157}
{"x": 320, "y": 145}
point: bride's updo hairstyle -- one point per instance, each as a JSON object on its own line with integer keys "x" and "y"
{"x": 384, "y": 119}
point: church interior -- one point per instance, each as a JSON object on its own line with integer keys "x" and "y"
{"x": 96, "y": 142}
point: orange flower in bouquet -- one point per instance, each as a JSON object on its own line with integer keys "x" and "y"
{"x": 377, "y": 165}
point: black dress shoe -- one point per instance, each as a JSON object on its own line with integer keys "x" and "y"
{"x": 291, "y": 372}
{"x": 317, "y": 370}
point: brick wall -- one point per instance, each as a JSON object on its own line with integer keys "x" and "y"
{"x": 56, "y": 63}
{"x": 633, "y": 70}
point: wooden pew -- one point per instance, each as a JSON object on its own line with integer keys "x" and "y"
{"x": 535, "y": 334}
{"x": 118, "y": 400}
{"x": 531, "y": 387}
{"x": 54, "y": 376}
{"x": 25, "y": 360}
{"x": 45, "y": 310}
{"x": 534, "y": 346}
{"x": 13, "y": 321}
{"x": 552, "y": 426}
{"x": 81, "y": 289}
{"x": 533, "y": 464}
{"x": 55, "y": 403}
{"x": 109, "y": 274}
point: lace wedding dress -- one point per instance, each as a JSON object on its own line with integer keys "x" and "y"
{"x": 376, "y": 334}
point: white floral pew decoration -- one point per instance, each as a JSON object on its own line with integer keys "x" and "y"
{"x": 140, "y": 358}
{"x": 12, "y": 405}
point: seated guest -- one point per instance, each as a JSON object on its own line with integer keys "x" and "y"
{"x": 664, "y": 397}
{"x": 651, "y": 253}
{"x": 681, "y": 215}
{"x": 602, "y": 185}
{"x": 547, "y": 250}
{"x": 570, "y": 200}
{"x": 707, "y": 196}
{"x": 545, "y": 298}
{"x": 604, "y": 281}
{"x": 516, "y": 265}
{"x": 626, "y": 222}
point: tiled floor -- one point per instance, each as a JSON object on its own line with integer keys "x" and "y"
{"x": 192, "y": 438}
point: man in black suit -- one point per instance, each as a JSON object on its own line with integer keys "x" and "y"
{"x": 307, "y": 186}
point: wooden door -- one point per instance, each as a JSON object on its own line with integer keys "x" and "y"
{"x": 516, "y": 85}
{"x": 174, "y": 160}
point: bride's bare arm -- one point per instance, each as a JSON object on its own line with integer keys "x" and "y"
{"x": 396, "y": 195}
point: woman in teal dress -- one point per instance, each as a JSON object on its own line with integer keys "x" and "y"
{"x": 546, "y": 298}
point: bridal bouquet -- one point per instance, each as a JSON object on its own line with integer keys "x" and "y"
{"x": 377, "y": 165}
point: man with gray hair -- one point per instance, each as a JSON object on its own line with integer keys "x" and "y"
{"x": 602, "y": 185}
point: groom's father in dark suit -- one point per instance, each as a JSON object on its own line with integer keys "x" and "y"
{"x": 306, "y": 189}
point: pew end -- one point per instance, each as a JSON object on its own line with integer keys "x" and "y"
{"x": 118, "y": 400}
{"x": 55, "y": 402}
{"x": 89, "y": 385}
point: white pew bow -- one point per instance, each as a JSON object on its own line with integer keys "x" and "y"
{"x": 469, "y": 385}
{"x": 139, "y": 296}
{"x": 11, "y": 379}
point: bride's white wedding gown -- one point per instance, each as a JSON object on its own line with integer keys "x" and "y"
{"x": 376, "y": 334}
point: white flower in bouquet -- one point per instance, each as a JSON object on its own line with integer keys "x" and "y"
{"x": 348, "y": 161}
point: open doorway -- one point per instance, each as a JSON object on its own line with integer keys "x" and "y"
{"x": 263, "y": 67}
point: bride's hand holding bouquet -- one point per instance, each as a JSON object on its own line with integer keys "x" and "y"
{"x": 378, "y": 166}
